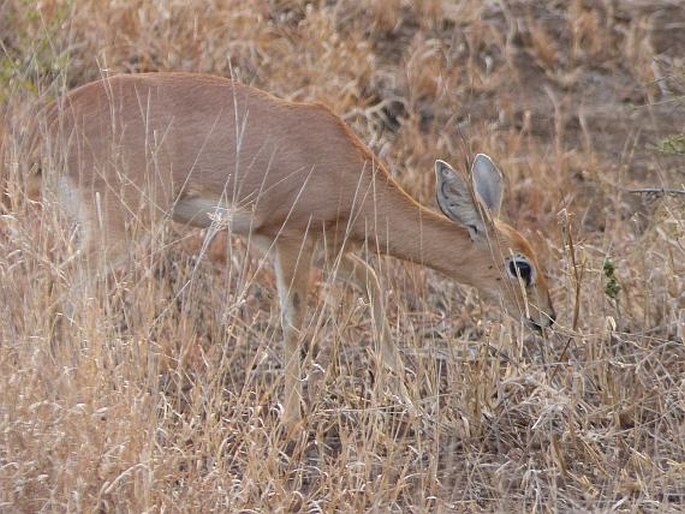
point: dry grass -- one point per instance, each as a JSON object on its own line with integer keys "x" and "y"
{"x": 164, "y": 396}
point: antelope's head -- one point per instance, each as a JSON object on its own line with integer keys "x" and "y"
{"x": 506, "y": 266}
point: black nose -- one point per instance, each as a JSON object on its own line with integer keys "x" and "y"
{"x": 552, "y": 317}
{"x": 534, "y": 325}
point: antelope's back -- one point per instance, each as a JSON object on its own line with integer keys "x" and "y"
{"x": 150, "y": 129}
{"x": 162, "y": 136}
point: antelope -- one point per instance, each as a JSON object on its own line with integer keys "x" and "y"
{"x": 133, "y": 150}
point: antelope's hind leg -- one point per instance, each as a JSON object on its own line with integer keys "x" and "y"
{"x": 101, "y": 242}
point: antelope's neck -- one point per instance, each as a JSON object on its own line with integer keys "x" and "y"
{"x": 402, "y": 228}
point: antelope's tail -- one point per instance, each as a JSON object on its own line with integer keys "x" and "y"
{"x": 20, "y": 164}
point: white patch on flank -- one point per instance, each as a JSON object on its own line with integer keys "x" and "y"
{"x": 207, "y": 212}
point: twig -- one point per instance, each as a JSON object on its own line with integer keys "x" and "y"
{"x": 577, "y": 279}
{"x": 574, "y": 268}
{"x": 659, "y": 190}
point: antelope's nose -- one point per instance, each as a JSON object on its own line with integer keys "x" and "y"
{"x": 552, "y": 316}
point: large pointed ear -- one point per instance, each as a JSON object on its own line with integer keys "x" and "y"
{"x": 457, "y": 200}
{"x": 488, "y": 183}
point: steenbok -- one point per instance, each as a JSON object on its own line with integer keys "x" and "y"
{"x": 126, "y": 152}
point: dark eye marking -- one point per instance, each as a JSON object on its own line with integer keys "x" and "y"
{"x": 519, "y": 267}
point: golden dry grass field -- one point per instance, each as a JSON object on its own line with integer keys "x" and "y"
{"x": 165, "y": 395}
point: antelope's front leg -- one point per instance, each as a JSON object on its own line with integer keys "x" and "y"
{"x": 293, "y": 264}
{"x": 356, "y": 271}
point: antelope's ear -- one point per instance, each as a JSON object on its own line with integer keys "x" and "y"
{"x": 457, "y": 200}
{"x": 488, "y": 183}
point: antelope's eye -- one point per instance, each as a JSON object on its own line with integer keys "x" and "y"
{"x": 518, "y": 267}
